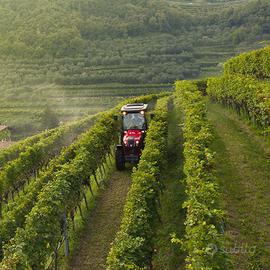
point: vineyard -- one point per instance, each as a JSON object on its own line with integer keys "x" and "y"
{"x": 198, "y": 198}
{"x": 73, "y": 58}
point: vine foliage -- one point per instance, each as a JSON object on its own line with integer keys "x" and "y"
{"x": 203, "y": 240}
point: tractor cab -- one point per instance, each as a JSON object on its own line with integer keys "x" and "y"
{"x": 134, "y": 126}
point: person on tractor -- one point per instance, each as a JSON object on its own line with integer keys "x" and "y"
{"x": 134, "y": 121}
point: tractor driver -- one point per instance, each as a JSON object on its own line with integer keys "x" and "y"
{"x": 134, "y": 120}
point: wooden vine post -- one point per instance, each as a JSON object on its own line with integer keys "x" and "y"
{"x": 65, "y": 232}
{"x": 1, "y": 202}
{"x": 95, "y": 177}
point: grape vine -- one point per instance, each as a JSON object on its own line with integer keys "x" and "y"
{"x": 58, "y": 190}
{"x": 203, "y": 240}
{"x": 25, "y": 167}
{"x": 255, "y": 63}
{"x": 246, "y": 95}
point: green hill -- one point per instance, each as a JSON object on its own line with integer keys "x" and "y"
{"x": 65, "y": 55}
{"x": 64, "y": 28}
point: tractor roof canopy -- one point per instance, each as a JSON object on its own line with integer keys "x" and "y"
{"x": 135, "y": 107}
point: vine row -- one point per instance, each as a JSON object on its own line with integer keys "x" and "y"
{"x": 25, "y": 167}
{"x": 13, "y": 151}
{"x": 74, "y": 128}
{"x": 246, "y": 95}
{"x": 255, "y": 63}
{"x": 203, "y": 240}
{"x": 14, "y": 213}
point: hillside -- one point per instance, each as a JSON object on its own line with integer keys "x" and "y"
{"x": 64, "y": 28}
{"x": 64, "y": 55}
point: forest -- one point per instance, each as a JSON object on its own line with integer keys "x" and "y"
{"x": 42, "y": 29}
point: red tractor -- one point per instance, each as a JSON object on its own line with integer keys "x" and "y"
{"x": 133, "y": 131}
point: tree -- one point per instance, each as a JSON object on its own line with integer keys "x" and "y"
{"x": 48, "y": 118}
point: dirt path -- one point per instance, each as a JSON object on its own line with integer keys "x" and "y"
{"x": 103, "y": 224}
{"x": 5, "y": 144}
{"x": 167, "y": 255}
{"x": 243, "y": 167}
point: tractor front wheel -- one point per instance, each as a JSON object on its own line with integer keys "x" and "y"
{"x": 119, "y": 159}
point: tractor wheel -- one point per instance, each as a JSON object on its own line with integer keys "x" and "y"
{"x": 119, "y": 160}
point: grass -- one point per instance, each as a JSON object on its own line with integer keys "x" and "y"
{"x": 251, "y": 129}
{"x": 81, "y": 220}
{"x": 168, "y": 256}
{"x": 90, "y": 241}
{"x": 243, "y": 168}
